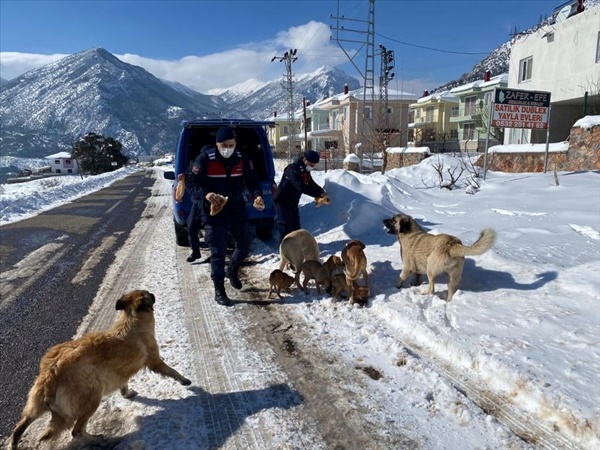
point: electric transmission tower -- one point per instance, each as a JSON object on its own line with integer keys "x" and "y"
{"x": 288, "y": 58}
{"x": 368, "y": 75}
{"x": 387, "y": 64}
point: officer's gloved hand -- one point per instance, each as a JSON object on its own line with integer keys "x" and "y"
{"x": 322, "y": 200}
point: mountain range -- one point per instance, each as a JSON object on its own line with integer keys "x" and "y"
{"x": 47, "y": 109}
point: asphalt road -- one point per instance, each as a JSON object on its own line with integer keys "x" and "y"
{"x": 51, "y": 266}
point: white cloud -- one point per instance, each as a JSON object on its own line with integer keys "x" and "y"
{"x": 13, "y": 64}
{"x": 220, "y": 70}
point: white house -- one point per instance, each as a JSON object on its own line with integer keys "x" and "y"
{"x": 62, "y": 163}
{"x": 562, "y": 58}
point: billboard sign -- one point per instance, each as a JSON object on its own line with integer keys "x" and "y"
{"x": 520, "y": 109}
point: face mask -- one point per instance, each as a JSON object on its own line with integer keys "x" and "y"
{"x": 226, "y": 152}
{"x": 309, "y": 168}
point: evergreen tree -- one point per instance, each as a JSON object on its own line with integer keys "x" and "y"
{"x": 97, "y": 154}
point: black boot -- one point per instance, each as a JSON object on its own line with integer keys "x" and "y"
{"x": 234, "y": 280}
{"x": 194, "y": 256}
{"x": 221, "y": 296}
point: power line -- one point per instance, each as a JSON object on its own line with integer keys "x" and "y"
{"x": 431, "y": 48}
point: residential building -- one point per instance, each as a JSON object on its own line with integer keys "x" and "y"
{"x": 562, "y": 58}
{"x": 335, "y": 125}
{"x": 474, "y": 100}
{"x": 430, "y": 121}
{"x": 279, "y": 134}
{"x": 63, "y": 163}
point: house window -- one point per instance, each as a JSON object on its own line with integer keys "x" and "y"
{"x": 429, "y": 114}
{"x": 345, "y": 113}
{"x": 468, "y": 131}
{"x": 454, "y": 112}
{"x": 525, "y": 66}
{"x": 390, "y": 110}
{"x": 57, "y": 161}
{"x": 368, "y": 112}
{"x": 67, "y": 162}
{"x": 487, "y": 98}
{"x": 69, "y": 170}
{"x": 598, "y": 48}
{"x": 453, "y": 134}
{"x": 470, "y": 106}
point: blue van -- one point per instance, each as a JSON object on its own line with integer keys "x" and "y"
{"x": 251, "y": 140}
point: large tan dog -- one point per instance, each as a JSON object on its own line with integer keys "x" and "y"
{"x": 75, "y": 375}
{"x": 355, "y": 264}
{"x": 430, "y": 254}
{"x": 295, "y": 248}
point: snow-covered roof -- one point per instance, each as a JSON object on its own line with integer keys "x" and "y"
{"x": 390, "y": 150}
{"x": 498, "y": 79}
{"x": 587, "y": 122}
{"x": 59, "y": 155}
{"x": 444, "y": 95}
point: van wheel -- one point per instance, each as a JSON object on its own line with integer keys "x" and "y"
{"x": 181, "y": 235}
{"x": 264, "y": 231}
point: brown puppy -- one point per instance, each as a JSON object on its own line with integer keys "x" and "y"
{"x": 75, "y": 375}
{"x": 314, "y": 270}
{"x": 430, "y": 254}
{"x": 295, "y": 248}
{"x": 333, "y": 265}
{"x": 355, "y": 264}
{"x": 279, "y": 280}
{"x": 338, "y": 284}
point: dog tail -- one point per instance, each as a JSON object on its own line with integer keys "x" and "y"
{"x": 35, "y": 407}
{"x": 482, "y": 245}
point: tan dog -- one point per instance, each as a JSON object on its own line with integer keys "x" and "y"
{"x": 430, "y": 254}
{"x": 333, "y": 265}
{"x": 355, "y": 264}
{"x": 279, "y": 280}
{"x": 314, "y": 270}
{"x": 295, "y": 248}
{"x": 75, "y": 375}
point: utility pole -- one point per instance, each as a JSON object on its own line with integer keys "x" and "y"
{"x": 368, "y": 74}
{"x": 386, "y": 74}
{"x": 288, "y": 58}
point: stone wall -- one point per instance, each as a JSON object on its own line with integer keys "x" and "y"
{"x": 397, "y": 160}
{"x": 583, "y": 154}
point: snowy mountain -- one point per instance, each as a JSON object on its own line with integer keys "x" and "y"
{"x": 3, "y": 81}
{"x": 47, "y": 109}
{"x": 259, "y": 100}
{"x": 497, "y": 62}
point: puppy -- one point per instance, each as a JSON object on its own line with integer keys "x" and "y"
{"x": 338, "y": 285}
{"x": 314, "y": 270}
{"x": 295, "y": 248}
{"x": 279, "y": 280}
{"x": 75, "y": 375}
{"x": 429, "y": 254}
{"x": 355, "y": 264}
{"x": 333, "y": 265}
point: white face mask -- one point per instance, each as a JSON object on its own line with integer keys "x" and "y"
{"x": 309, "y": 168}
{"x": 226, "y": 152}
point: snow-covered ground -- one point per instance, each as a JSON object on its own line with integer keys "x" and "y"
{"x": 524, "y": 324}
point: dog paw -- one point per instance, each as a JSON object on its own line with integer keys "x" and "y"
{"x": 128, "y": 393}
{"x": 186, "y": 382}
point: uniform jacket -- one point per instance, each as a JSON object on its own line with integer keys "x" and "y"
{"x": 296, "y": 180}
{"x": 210, "y": 172}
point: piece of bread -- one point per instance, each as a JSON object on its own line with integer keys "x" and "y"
{"x": 214, "y": 209}
{"x": 180, "y": 190}
{"x": 322, "y": 201}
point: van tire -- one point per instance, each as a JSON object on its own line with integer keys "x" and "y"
{"x": 181, "y": 235}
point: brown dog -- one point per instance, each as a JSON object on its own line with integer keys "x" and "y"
{"x": 75, "y": 375}
{"x": 355, "y": 264}
{"x": 333, "y": 265}
{"x": 431, "y": 254}
{"x": 338, "y": 285}
{"x": 279, "y": 280}
{"x": 314, "y": 270}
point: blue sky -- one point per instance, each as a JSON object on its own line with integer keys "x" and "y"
{"x": 215, "y": 44}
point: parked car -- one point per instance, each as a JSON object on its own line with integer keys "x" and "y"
{"x": 252, "y": 141}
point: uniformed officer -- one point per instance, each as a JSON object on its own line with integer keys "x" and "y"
{"x": 295, "y": 181}
{"x": 217, "y": 173}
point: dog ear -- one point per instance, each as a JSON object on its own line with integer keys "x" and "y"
{"x": 121, "y": 304}
{"x": 405, "y": 225}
